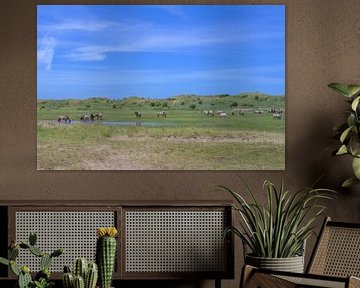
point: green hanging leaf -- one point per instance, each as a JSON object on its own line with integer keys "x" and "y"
{"x": 345, "y": 134}
{"x": 349, "y": 182}
{"x": 356, "y": 167}
{"x": 351, "y": 120}
{"x": 340, "y": 88}
{"x": 355, "y": 103}
{"x": 342, "y": 150}
{"x": 354, "y": 145}
{"x": 353, "y": 89}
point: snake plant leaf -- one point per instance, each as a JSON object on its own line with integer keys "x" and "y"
{"x": 278, "y": 228}
{"x": 345, "y": 134}
{"x": 342, "y": 150}
{"x": 340, "y": 88}
{"x": 349, "y": 182}
{"x": 356, "y": 167}
{"x": 355, "y": 103}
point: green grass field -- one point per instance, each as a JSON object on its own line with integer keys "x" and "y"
{"x": 185, "y": 139}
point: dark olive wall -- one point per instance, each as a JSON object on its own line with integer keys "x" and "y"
{"x": 323, "y": 46}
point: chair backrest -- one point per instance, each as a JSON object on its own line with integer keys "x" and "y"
{"x": 337, "y": 251}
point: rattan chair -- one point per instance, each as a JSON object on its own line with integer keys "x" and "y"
{"x": 334, "y": 263}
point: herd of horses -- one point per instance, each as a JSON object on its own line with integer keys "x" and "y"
{"x": 276, "y": 112}
{"x": 83, "y": 118}
{"x": 137, "y": 114}
{"x": 86, "y": 118}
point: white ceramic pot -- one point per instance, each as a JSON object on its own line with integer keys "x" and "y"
{"x": 291, "y": 264}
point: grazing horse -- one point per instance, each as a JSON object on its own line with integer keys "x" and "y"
{"x": 96, "y": 116}
{"x": 208, "y": 112}
{"x": 223, "y": 114}
{"x": 137, "y": 114}
{"x": 64, "y": 118}
{"x": 277, "y": 116}
{"x": 276, "y": 111}
{"x": 85, "y": 118}
{"x": 162, "y": 114}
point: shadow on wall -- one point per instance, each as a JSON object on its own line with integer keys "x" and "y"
{"x": 317, "y": 153}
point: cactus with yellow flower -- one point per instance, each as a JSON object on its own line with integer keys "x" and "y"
{"x": 106, "y": 254}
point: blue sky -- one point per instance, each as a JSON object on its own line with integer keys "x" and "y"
{"x": 159, "y": 51}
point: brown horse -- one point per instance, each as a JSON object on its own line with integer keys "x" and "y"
{"x": 137, "y": 114}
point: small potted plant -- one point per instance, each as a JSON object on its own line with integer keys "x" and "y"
{"x": 84, "y": 274}
{"x": 42, "y": 278}
{"x": 275, "y": 233}
{"x": 348, "y": 132}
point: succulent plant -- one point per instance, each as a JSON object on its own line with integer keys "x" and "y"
{"x": 85, "y": 275}
{"x": 42, "y": 278}
{"x": 106, "y": 254}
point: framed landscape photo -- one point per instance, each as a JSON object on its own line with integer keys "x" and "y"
{"x": 161, "y": 87}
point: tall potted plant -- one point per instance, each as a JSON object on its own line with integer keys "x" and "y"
{"x": 348, "y": 132}
{"x": 275, "y": 233}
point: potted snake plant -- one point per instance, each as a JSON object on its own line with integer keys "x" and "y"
{"x": 348, "y": 132}
{"x": 274, "y": 235}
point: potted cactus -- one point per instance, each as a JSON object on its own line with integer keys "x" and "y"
{"x": 106, "y": 254}
{"x": 42, "y": 278}
{"x": 84, "y": 275}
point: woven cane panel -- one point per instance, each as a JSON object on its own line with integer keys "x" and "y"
{"x": 339, "y": 252}
{"x": 175, "y": 241}
{"x": 312, "y": 282}
{"x": 74, "y": 231}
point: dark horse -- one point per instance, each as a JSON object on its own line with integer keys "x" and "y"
{"x": 96, "y": 116}
{"x": 137, "y": 114}
{"x": 64, "y": 118}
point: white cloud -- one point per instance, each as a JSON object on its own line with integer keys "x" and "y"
{"x": 46, "y": 51}
{"x": 89, "y": 53}
{"x": 75, "y": 25}
{"x": 149, "y": 38}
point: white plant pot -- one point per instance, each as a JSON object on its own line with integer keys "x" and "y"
{"x": 291, "y": 264}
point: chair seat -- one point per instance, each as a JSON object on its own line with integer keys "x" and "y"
{"x": 335, "y": 262}
{"x": 268, "y": 279}
{"x": 315, "y": 282}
